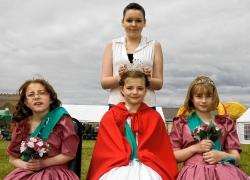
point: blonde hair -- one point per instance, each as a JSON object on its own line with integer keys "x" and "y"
{"x": 201, "y": 84}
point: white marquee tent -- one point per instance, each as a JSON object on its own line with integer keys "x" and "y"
{"x": 243, "y": 127}
{"x": 92, "y": 113}
{"x": 86, "y": 113}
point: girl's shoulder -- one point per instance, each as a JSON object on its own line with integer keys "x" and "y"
{"x": 20, "y": 130}
{"x": 180, "y": 120}
{"x": 65, "y": 121}
{"x": 224, "y": 121}
{"x": 20, "y": 125}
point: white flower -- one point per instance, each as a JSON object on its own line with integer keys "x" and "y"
{"x": 33, "y": 139}
{"x": 199, "y": 129}
{"x": 30, "y": 144}
{"x": 23, "y": 146}
{"x": 41, "y": 152}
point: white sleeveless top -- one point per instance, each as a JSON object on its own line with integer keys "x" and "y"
{"x": 143, "y": 55}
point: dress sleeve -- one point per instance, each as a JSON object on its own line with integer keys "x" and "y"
{"x": 70, "y": 139}
{"x": 13, "y": 148}
{"x": 231, "y": 140}
{"x": 176, "y": 134}
{"x": 19, "y": 133}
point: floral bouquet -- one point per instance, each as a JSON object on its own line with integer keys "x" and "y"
{"x": 33, "y": 148}
{"x": 207, "y": 131}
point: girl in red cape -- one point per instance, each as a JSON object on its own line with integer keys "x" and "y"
{"x": 132, "y": 139}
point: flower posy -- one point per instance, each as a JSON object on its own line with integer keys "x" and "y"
{"x": 205, "y": 131}
{"x": 33, "y": 148}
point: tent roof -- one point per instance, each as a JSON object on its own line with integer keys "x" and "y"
{"x": 86, "y": 113}
{"x": 245, "y": 116}
{"x": 92, "y": 113}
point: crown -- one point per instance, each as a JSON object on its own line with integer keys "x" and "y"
{"x": 203, "y": 80}
{"x": 135, "y": 67}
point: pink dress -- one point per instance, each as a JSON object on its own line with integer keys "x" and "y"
{"x": 63, "y": 140}
{"x": 197, "y": 169}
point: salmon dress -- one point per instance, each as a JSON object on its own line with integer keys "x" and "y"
{"x": 63, "y": 140}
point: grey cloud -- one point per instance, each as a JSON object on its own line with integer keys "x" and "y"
{"x": 63, "y": 41}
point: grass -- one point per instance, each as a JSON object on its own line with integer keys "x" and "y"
{"x": 245, "y": 158}
{"x": 86, "y": 156}
{"x": 5, "y": 167}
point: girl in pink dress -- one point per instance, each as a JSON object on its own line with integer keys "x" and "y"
{"x": 38, "y": 114}
{"x": 205, "y": 158}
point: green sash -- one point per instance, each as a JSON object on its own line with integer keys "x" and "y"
{"x": 132, "y": 141}
{"x": 194, "y": 122}
{"x": 48, "y": 123}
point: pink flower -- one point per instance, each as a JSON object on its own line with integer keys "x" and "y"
{"x": 205, "y": 131}
{"x": 33, "y": 148}
{"x": 31, "y": 144}
{"x": 40, "y": 143}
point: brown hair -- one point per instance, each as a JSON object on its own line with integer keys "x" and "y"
{"x": 134, "y": 74}
{"x": 201, "y": 84}
{"x": 22, "y": 111}
{"x": 134, "y": 6}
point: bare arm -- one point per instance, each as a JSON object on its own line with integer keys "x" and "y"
{"x": 182, "y": 155}
{"x": 37, "y": 164}
{"x": 108, "y": 81}
{"x": 156, "y": 81}
{"x": 234, "y": 153}
{"x": 57, "y": 160}
{"x": 17, "y": 162}
{"x": 213, "y": 157}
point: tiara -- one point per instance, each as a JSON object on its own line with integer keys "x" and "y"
{"x": 203, "y": 80}
{"x": 135, "y": 67}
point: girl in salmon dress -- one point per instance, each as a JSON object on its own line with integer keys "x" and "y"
{"x": 39, "y": 115}
{"x": 214, "y": 156}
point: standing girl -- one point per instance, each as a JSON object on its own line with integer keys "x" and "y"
{"x": 212, "y": 156}
{"x": 133, "y": 48}
{"x": 39, "y": 115}
{"x": 132, "y": 141}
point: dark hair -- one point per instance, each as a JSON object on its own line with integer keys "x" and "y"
{"x": 134, "y": 6}
{"x": 21, "y": 110}
{"x": 134, "y": 74}
{"x": 204, "y": 84}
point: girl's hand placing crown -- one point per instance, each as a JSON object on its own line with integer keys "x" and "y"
{"x": 123, "y": 69}
{"x": 147, "y": 71}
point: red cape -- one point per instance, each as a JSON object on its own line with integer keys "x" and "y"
{"x": 113, "y": 150}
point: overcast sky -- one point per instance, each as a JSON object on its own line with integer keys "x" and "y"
{"x": 63, "y": 42}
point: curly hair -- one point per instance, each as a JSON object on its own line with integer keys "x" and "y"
{"x": 21, "y": 110}
{"x": 134, "y": 74}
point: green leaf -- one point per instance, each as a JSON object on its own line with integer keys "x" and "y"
{"x": 25, "y": 157}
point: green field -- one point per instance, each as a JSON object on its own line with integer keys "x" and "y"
{"x": 5, "y": 167}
